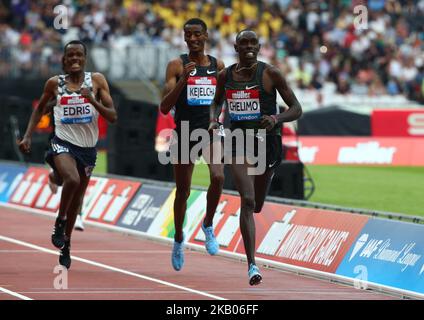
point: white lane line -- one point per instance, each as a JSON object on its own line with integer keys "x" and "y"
{"x": 167, "y": 292}
{"x": 92, "y": 251}
{"x": 104, "y": 266}
{"x": 15, "y": 294}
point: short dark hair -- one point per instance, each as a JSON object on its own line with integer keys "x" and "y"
{"x": 75, "y": 42}
{"x": 244, "y": 30}
{"x": 197, "y": 21}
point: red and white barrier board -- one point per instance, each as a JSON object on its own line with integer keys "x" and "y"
{"x": 34, "y": 191}
{"x": 360, "y": 150}
{"x": 111, "y": 202}
{"x": 323, "y": 241}
{"x": 32, "y": 185}
{"x": 310, "y": 238}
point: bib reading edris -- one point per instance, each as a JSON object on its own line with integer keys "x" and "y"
{"x": 243, "y": 105}
{"x": 76, "y": 110}
{"x": 200, "y": 90}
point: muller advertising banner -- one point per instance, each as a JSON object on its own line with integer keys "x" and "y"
{"x": 30, "y": 187}
{"x": 397, "y": 123}
{"x": 112, "y": 201}
{"x": 225, "y": 222}
{"x": 360, "y": 150}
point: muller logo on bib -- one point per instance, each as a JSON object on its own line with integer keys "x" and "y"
{"x": 73, "y": 100}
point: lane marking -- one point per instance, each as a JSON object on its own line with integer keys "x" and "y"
{"x": 104, "y": 266}
{"x": 15, "y": 294}
{"x": 91, "y": 251}
{"x": 267, "y": 292}
{"x": 338, "y": 280}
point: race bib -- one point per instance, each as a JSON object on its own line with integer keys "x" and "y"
{"x": 75, "y": 110}
{"x": 200, "y": 91}
{"x": 243, "y": 105}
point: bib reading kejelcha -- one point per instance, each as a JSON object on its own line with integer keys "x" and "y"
{"x": 243, "y": 105}
{"x": 200, "y": 90}
{"x": 193, "y": 103}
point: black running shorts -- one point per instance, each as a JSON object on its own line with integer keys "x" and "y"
{"x": 273, "y": 146}
{"x": 85, "y": 157}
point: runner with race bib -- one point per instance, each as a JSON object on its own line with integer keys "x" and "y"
{"x": 250, "y": 91}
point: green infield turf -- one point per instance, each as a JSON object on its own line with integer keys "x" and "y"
{"x": 394, "y": 189}
{"x": 101, "y": 163}
{"x": 201, "y": 175}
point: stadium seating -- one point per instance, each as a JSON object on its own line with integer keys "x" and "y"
{"x": 316, "y": 44}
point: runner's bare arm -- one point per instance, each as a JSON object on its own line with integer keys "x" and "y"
{"x": 173, "y": 88}
{"x": 49, "y": 106}
{"x": 294, "y": 108}
{"x": 215, "y": 108}
{"x": 220, "y": 65}
{"x": 47, "y": 95}
{"x": 105, "y": 107}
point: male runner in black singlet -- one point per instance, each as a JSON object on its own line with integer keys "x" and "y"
{"x": 249, "y": 88}
{"x": 190, "y": 87}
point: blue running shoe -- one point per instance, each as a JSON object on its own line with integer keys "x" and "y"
{"x": 212, "y": 246}
{"x": 255, "y": 277}
{"x": 178, "y": 255}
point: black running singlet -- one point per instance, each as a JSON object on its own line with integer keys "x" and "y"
{"x": 247, "y": 101}
{"x": 197, "y": 96}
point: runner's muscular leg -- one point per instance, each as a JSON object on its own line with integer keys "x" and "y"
{"x": 262, "y": 184}
{"x": 53, "y": 185}
{"x": 244, "y": 184}
{"x": 55, "y": 177}
{"x": 67, "y": 169}
{"x": 213, "y": 156}
{"x": 76, "y": 203}
{"x": 183, "y": 174}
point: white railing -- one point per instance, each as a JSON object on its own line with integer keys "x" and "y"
{"x": 146, "y": 62}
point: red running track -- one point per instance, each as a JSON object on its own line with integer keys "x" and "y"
{"x": 112, "y": 265}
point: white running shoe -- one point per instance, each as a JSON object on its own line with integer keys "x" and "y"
{"x": 78, "y": 224}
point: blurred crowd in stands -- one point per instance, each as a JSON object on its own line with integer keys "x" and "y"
{"x": 313, "y": 42}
